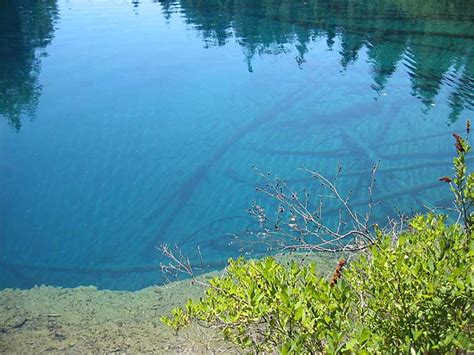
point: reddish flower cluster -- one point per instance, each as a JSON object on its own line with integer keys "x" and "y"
{"x": 458, "y": 139}
{"x": 338, "y": 272}
{"x": 445, "y": 179}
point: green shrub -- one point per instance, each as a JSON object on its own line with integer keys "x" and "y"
{"x": 411, "y": 293}
{"x": 415, "y": 292}
{"x": 261, "y": 304}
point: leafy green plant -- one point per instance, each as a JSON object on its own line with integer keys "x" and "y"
{"x": 409, "y": 292}
{"x": 415, "y": 293}
{"x": 262, "y": 304}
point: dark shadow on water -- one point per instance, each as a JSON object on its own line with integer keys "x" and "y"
{"x": 434, "y": 40}
{"x": 26, "y": 28}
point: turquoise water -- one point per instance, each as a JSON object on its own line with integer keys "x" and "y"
{"x": 127, "y": 124}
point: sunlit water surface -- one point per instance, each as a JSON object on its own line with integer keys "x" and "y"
{"x": 125, "y": 125}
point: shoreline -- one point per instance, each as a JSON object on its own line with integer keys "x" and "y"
{"x": 85, "y": 319}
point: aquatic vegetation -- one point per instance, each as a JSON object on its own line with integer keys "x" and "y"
{"x": 410, "y": 290}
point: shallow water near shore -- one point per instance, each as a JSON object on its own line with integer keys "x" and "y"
{"x": 127, "y": 124}
{"x": 88, "y": 320}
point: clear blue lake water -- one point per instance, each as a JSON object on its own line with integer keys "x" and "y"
{"x": 127, "y": 124}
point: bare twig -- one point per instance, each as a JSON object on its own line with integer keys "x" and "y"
{"x": 299, "y": 225}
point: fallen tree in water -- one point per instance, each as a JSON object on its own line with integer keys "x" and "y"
{"x": 398, "y": 289}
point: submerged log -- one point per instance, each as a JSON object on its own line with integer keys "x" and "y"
{"x": 190, "y": 238}
{"x": 362, "y": 151}
{"x": 386, "y": 125}
{"x": 415, "y": 195}
{"x": 412, "y": 140}
{"x": 329, "y": 119}
{"x": 381, "y": 171}
{"x": 235, "y": 177}
{"x": 335, "y": 153}
{"x": 172, "y": 205}
{"x": 364, "y": 172}
{"x": 414, "y": 155}
{"x": 391, "y": 195}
